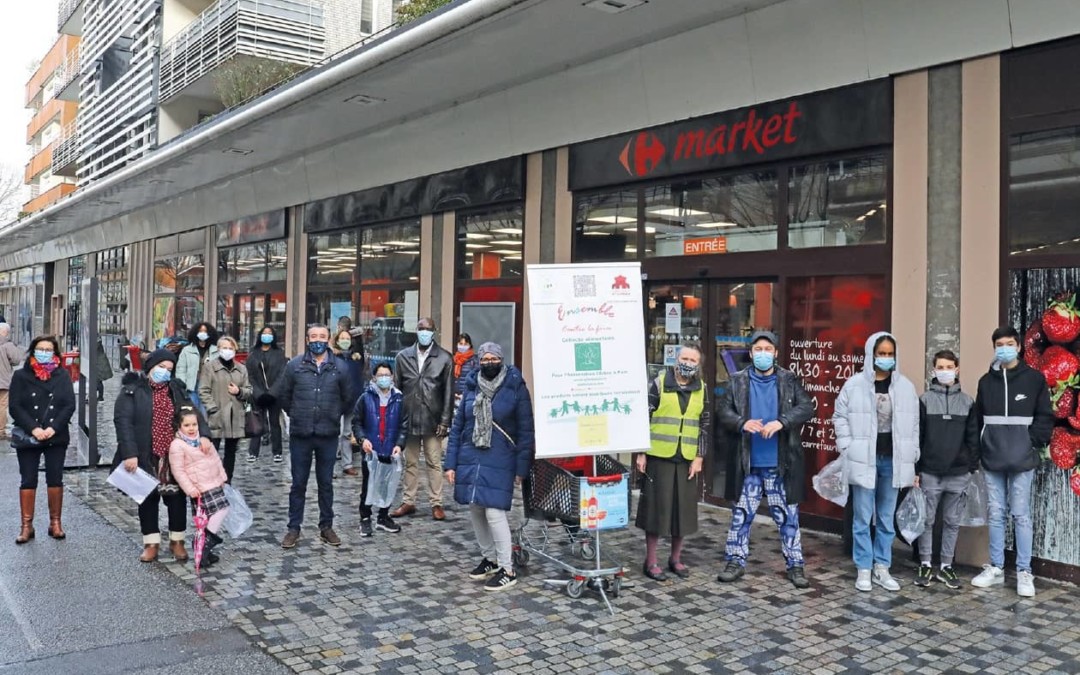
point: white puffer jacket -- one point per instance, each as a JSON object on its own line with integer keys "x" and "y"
{"x": 855, "y": 421}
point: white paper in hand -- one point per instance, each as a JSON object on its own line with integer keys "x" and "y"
{"x": 137, "y": 485}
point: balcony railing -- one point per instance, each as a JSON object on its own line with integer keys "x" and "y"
{"x": 66, "y": 86}
{"x": 66, "y": 13}
{"x": 53, "y": 194}
{"x": 282, "y": 30}
{"x": 65, "y": 155}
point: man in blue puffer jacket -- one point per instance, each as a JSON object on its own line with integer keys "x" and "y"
{"x": 490, "y": 450}
{"x": 314, "y": 392}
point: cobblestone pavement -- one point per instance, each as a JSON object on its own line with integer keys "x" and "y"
{"x": 403, "y": 603}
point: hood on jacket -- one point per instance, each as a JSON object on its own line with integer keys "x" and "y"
{"x": 131, "y": 377}
{"x": 868, "y": 363}
{"x": 940, "y": 388}
{"x": 375, "y": 389}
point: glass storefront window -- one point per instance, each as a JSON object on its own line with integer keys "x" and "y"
{"x": 838, "y": 203}
{"x": 1044, "y": 192}
{"x": 713, "y": 215}
{"x": 382, "y": 314}
{"x": 390, "y": 253}
{"x": 253, "y": 263}
{"x": 178, "y": 300}
{"x": 76, "y": 274}
{"x": 490, "y": 244}
{"x": 332, "y": 258}
{"x": 606, "y": 227}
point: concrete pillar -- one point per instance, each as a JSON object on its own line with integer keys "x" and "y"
{"x": 140, "y": 288}
{"x": 564, "y": 207}
{"x": 432, "y": 273}
{"x": 534, "y": 198}
{"x": 443, "y": 285}
{"x": 296, "y": 286}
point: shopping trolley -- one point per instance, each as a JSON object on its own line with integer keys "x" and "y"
{"x": 568, "y": 502}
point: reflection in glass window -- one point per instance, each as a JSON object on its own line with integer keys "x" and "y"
{"x": 713, "y": 215}
{"x": 1044, "y": 192}
{"x": 252, "y": 263}
{"x": 332, "y": 258}
{"x": 605, "y": 228}
{"x": 838, "y": 203}
{"x": 390, "y": 253}
{"x": 490, "y": 244}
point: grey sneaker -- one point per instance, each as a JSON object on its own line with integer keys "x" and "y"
{"x": 365, "y": 527}
{"x": 328, "y": 535}
{"x": 990, "y": 576}
{"x": 924, "y": 576}
{"x": 291, "y": 537}
{"x": 862, "y": 582}
{"x": 733, "y": 571}
{"x": 1025, "y": 584}
{"x": 947, "y": 576}
{"x": 881, "y": 577}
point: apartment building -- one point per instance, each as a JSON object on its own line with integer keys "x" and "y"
{"x": 52, "y": 96}
{"x": 148, "y": 70}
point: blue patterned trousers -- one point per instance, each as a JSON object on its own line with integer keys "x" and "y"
{"x": 786, "y": 517}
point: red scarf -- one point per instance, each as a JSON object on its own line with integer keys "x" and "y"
{"x": 459, "y": 360}
{"x": 161, "y": 418}
{"x": 43, "y": 371}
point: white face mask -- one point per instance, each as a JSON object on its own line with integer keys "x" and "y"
{"x": 226, "y": 354}
{"x": 945, "y": 377}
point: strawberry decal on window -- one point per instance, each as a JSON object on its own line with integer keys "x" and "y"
{"x": 1061, "y": 322}
{"x": 1051, "y": 346}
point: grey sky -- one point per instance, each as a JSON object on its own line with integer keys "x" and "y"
{"x": 29, "y": 31}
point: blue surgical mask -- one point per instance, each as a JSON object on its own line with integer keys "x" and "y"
{"x": 764, "y": 361}
{"x": 384, "y": 382}
{"x": 424, "y": 337}
{"x": 203, "y": 336}
{"x": 42, "y": 356}
{"x": 884, "y": 363}
{"x": 1006, "y": 354}
{"x": 266, "y": 339}
{"x": 317, "y": 347}
{"x": 160, "y": 375}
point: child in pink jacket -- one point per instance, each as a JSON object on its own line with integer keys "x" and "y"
{"x": 200, "y": 474}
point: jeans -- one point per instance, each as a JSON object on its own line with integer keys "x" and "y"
{"x": 1010, "y": 493}
{"x": 757, "y": 483}
{"x": 30, "y": 460}
{"x": 272, "y": 419}
{"x": 492, "y": 527}
{"x": 197, "y": 402}
{"x": 881, "y": 501}
{"x": 301, "y": 451}
{"x": 947, "y": 490}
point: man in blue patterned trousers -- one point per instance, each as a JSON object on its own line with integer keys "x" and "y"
{"x": 762, "y": 413}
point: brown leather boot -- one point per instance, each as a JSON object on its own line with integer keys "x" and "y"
{"x": 178, "y": 550}
{"x": 149, "y": 554}
{"x": 26, "y": 504}
{"x": 56, "y": 505}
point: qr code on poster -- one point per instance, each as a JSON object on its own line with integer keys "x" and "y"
{"x": 584, "y": 286}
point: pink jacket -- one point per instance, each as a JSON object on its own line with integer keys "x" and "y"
{"x": 195, "y": 471}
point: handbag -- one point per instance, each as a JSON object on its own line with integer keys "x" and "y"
{"x": 167, "y": 484}
{"x": 21, "y": 439}
{"x": 254, "y": 426}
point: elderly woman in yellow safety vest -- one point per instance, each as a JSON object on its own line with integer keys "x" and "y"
{"x": 679, "y": 425}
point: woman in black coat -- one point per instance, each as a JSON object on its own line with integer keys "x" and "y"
{"x": 265, "y": 364}
{"x": 144, "y": 415}
{"x": 41, "y": 404}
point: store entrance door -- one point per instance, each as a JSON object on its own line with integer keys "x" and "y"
{"x": 244, "y": 315}
{"x": 720, "y": 315}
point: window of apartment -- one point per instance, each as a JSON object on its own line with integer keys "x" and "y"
{"x": 838, "y": 203}
{"x": 365, "y": 16}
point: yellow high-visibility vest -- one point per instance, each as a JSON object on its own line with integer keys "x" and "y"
{"x": 671, "y": 429}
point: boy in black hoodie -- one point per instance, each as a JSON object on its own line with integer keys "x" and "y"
{"x": 1014, "y": 414}
{"x": 950, "y": 450}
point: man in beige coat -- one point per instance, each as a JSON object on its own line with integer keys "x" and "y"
{"x": 10, "y": 358}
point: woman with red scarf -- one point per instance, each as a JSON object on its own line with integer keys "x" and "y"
{"x": 464, "y": 364}
{"x": 41, "y": 404}
{"x": 145, "y": 419}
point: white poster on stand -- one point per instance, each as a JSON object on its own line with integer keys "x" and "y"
{"x": 590, "y": 388}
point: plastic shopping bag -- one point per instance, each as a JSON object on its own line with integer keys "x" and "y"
{"x": 831, "y": 483}
{"x": 911, "y": 515}
{"x": 239, "y": 517}
{"x": 383, "y": 480}
{"x": 974, "y": 502}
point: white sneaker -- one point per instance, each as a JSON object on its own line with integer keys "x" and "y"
{"x": 990, "y": 576}
{"x": 1025, "y": 584}
{"x": 882, "y": 578}
{"x": 863, "y": 582}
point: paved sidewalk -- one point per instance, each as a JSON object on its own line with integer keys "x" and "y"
{"x": 84, "y": 605}
{"x": 403, "y": 603}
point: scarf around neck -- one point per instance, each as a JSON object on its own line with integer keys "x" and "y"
{"x": 459, "y": 360}
{"x": 43, "y": 371}
{"x": 486, "y": 390}
{"x": 161, "y": 418}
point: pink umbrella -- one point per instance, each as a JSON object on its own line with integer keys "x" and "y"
{"x": 201, "y": 519}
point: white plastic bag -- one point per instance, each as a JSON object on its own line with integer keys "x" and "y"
{"x": 911, "y": 515}
{"x": 975, "y": 502}
{"x": 383, "y": 480}
{"x": 831, "y": 483}
{"x": 239, "y": 517}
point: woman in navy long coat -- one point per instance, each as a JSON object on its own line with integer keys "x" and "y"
{"x": 489, "y": 451}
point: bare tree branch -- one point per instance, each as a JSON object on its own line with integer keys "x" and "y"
{"x": 12, "y": 192}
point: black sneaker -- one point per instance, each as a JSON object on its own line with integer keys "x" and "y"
{"x": 733, "y": 571}
{"x": 500, "y": 581}
{"x": 387, "y": 524}
{"x": 252, "y": 459}
{"x": 947, "y": 576}
{"x": 278, "y": 459}
{"x": 797, "y": 577}
{"x": 365, "y": 527}
{"x": 484, "y": 570}
{"x": 924, "y": 576}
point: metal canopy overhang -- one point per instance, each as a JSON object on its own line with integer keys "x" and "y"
{"x": 469, "y": 49}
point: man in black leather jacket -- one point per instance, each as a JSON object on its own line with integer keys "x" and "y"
{"x": 425, "y": 374}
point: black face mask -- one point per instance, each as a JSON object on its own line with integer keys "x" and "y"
{"x": 490, "y": 370}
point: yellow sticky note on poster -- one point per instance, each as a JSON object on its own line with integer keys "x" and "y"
{"x": 592, "y": 431}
